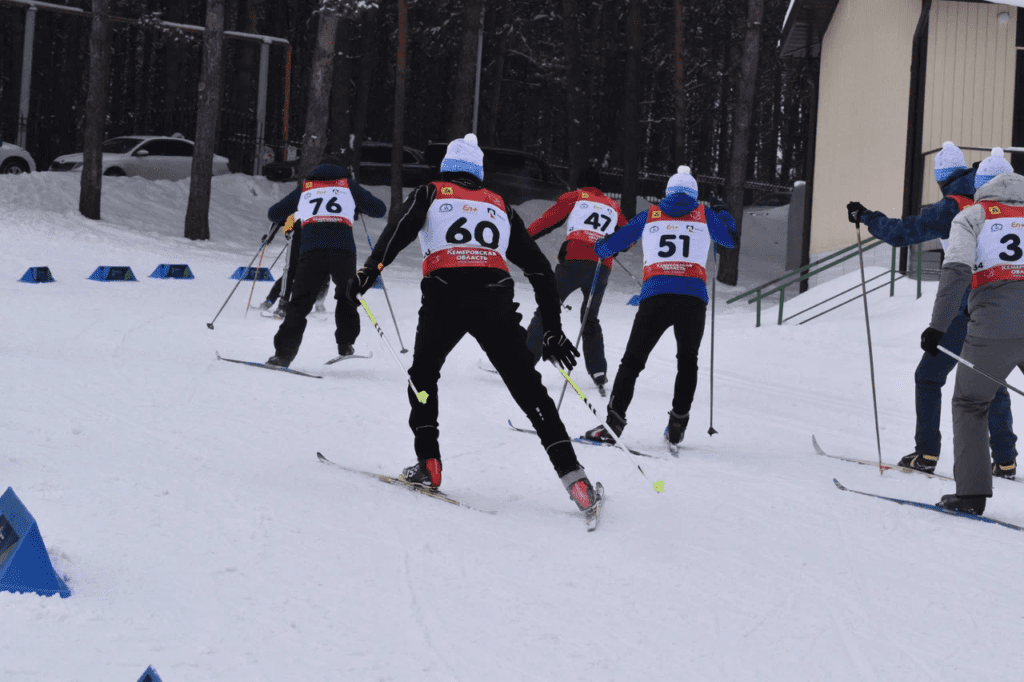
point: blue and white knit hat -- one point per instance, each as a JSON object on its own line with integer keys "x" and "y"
{"x": 464, "y": 156}
{"x": 991, "y": 166}
{"x": 949, "y": 160}
{"x": 682, "y": 181}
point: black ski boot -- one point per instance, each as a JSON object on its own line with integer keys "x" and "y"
{"x": 277, "y": 361}
{"x": 972, "y": 504}
{"x": 676, "y": 427}
{"x": 925, "y": 463}
{"x": 600, "y": 379}
{"x": 600, "y": 433}
{"x": 1005, "y": 470}
{"x": 425, "y": 474}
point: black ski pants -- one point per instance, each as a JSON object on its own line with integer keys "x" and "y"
{"x": 314, "y": 266}
{"x": 288, "y": 281}
{"x": 571, "y": 275}
{"x": 685, "y": 314}
{"x": 488, "y": 314}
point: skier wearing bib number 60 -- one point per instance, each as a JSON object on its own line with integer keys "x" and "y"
{"x": 468, "y": 235}
{"x": 676, "y": 236}
{"x": 588, "y": 215}
{"x": 326, "y": 202}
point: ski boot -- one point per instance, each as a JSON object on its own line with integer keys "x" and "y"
{"x": 971, "y": 504}
{"x": 278, "y": 361}
{"x": 600, "y": 433}
{"x": 925, "y": 463}
{"x": 425, "y": 474}
{"x": 580, "y": 489}
{"x": 600, "y": 380}
{"x": 1005, "y": 470}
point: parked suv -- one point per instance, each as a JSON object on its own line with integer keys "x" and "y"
{"x": 516, "y": 176}
{"x": 15, "y": 160}
{"x": 374, "y": 166}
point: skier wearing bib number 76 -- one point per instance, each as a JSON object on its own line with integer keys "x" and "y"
{"x": 469, "y": 235}
{"x": 676, "y": 236}
{"x": 326, "y": 202}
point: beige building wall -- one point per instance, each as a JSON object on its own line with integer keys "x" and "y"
{"x": 970, "y": 81}
{"x": 862, "y": 113}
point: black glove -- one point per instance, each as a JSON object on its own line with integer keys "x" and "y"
{"x": 559, "y": 348}
{"x": 361, "y": 283}
{"x": 930, "y": 338}
{"x": 717, "y": 205}
{"x": 855, "y": 211}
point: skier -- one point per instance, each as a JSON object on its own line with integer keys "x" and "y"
{"x": 468, "y": 235}
{"x": 326, "y": 202}
{"x": 984, "y": 255}
{"x": 677, "y": 234}
{"x": 956, "y": 181}
{"x": 285, "y": 284}
{"x": 587, "y": 215}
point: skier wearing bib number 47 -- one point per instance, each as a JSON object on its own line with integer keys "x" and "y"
{"x": 326, "y": 202}
{"x": 468, "y": 235}
{"x": 587, "y": 215}
{"x": 676, "y": 236}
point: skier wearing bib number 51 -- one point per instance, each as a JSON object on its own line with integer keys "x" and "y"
{"x": 676, "y": 236}
{"x": 326, "y": 202}
{"x": 468, "y": 235}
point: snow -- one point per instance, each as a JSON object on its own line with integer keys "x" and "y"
{"x": 182, "y": 499}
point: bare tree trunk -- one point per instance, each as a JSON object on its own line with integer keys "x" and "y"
{"x": 631, "y": 107}
{"x": 95, "y": 111}
{"x": 341, "y": 91}
{"x": 678, "y": 91}
{"x": 743, "y": 107}
{"x": 577, "y": 148}
{"x": 494, "y": 110}
{"x": 398, "y": 137}
{"x": 462, "y": 105}
{"x": 367, "y": 66}
{"x": 320, "y": 79}
{"x": 211, "y": 86}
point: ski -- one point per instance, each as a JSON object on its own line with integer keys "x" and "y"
{"x": 391, "y": 480}
{"x": 593, "y": 515}
{"x": 896, "y": 467}
{"x": 273, "y": 367}
{"x": 584, "y": 441}
{"x": 486, "y": 367}
{"x": 932, "y": 507}
{"x": 339, "y": 358}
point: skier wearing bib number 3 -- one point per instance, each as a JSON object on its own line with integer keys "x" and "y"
{"x": 326, "y": 202}
{"x": 985, "y": 254}
{"x": 468, "y": 235}
{"x": 587, "y": 215}
{"x": 676, "y": 235}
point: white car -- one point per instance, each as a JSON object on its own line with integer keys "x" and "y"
{"x": 146, "y": 156}
{"x": 14, "y": 160}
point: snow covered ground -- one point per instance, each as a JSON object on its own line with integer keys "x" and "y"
{"x": 182, "y": 499}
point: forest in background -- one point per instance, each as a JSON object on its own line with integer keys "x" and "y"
{"x": 533, "y": 54}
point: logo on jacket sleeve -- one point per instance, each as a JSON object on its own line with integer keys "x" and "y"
{"x": 994, "y": 210}
{"x": 447, "y": 191}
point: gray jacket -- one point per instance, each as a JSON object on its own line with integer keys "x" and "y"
{"x": 996, "y": 309}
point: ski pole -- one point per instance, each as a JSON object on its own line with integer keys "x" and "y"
{"x": 871, "y": 356}
{"x": 586, "y": 311}
{"x": 711, "y": 419}
{"x": 254, "y": 277}
{"x": 263, "y": 245}
{"x": 659, "y": 486}
{"x": 382, "y": 286}
{"x": 420, "y": 395}
{"x": 636, "y": 299}
{"x": 979, "y": 371}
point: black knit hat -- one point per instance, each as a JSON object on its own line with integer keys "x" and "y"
{"x": 589, "y": 177}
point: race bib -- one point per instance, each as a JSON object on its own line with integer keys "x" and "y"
{"x": 324, "y": 201}
{"x": 676, "y": 246}
{"x": 465, "y": 228}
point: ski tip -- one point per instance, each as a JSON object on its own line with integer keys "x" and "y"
{"x": 321, "y": 457}
{"x": 838, "y": 484}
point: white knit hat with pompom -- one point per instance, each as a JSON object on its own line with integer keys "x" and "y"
{"x": 465, "y": 156}
{"x": 682, "y": 181}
